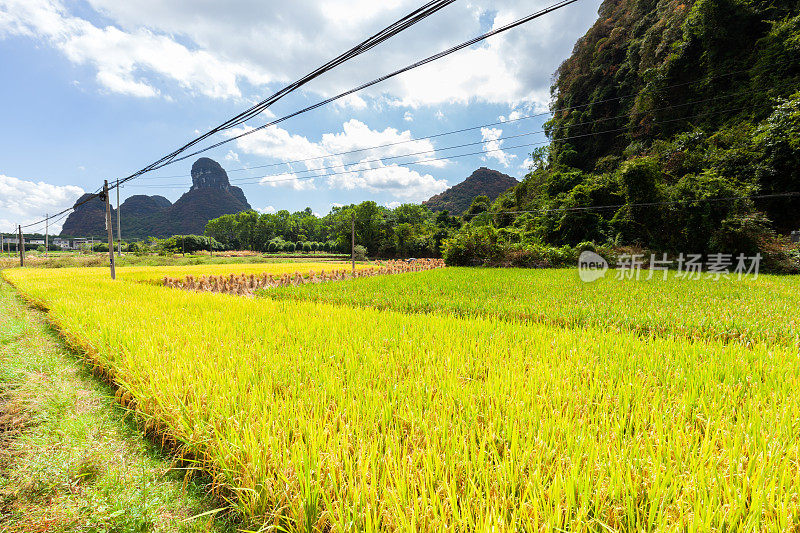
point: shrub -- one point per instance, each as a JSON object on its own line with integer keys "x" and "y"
{"x": 360, "y": 253}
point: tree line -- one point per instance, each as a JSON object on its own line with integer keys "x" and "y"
{"x": 408, "y": 230}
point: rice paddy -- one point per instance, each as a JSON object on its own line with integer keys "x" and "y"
{"x": 158, "y": 273}
{"x": 451, "y": 406}
{"x": 747, "y": 310}
{"x": 247, "y": 285}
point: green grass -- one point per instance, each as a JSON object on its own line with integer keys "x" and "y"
{"x": 318, "y": 417}
{"x": 745, "y": 311}
{"x": 71, "y": 458}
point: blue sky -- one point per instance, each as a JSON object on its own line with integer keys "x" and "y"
{"x": 96, "y": 89}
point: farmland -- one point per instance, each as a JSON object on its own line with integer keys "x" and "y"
{"x": 149, "y": 273}
{"x": 746, "y": 311}
{"x": 312, "y": 416}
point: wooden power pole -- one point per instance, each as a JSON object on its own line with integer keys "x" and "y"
{"x": 353, "y": 241}
{"x": 46, "y": 233}
{"x": 110, "y": 228}
{"x": 21, "y": 247}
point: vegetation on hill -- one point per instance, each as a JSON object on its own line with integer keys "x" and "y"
{"x": 482, "y": 182}
{"x": 672, "y": 122}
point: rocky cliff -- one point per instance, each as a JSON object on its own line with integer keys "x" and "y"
{"x": 141, "y": 216}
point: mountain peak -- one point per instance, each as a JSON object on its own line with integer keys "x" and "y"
{"x": 207, "y": 173}
{"x": 210, "y": 196}
{"x": 483, "y": 182}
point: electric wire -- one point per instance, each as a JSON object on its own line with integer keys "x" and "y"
{"x": 249, "y": 179}
{"x": 545, "y": 11}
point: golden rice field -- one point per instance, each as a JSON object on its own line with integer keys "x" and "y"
{"x": 320, "y": 417}
{"x": 158, "y": 273}
{"x": 764, "y": 309}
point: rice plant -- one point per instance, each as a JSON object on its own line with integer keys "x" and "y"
{"x": 315, "y": 417}
{"x": 247, "y": 285}
{"x": 745, "y": 311}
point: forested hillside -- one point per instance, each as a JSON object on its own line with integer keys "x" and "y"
{"x": 482, "y": 182}
{"x": 676, "y": 128}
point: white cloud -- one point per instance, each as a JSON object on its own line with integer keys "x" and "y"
{"x": 291, "y": 181}
{"x": 23, "y": 202}
{"x": 269, "y": 209}
{"x": 307, "y": 159}
{"x": 210, "y": 48}
{"x": 527, "y": 165}
{"x": 439, "y": 115}
{"x": 400, "y": 182}
{"x": 126, "y": 61}
{"x": 408, "y": 117}
{"x": 351, "y": 101}
{"x": 492, "y": 145}
{"x": 232, "y": 156}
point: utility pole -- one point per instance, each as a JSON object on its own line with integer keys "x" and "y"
{"x": 21, "y": 247}
{"x": 110, "y": 227}
{"x": 353, "y": 242}
{"x": 119, "y": 227}
{"x": 46, "y": 233}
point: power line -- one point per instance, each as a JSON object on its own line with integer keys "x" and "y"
{"x": 432, "y": 6}
{"x": 250, "y": 179}
{"x": 393, "y": 29}
{"x": 641, "y": 204}
{"x": 503, "y": 149}
{"x": 507, "y": 148}
{"x": 551, "y": 8}
{"x": 545, "y": 11}
{"x": 469, "y": 128}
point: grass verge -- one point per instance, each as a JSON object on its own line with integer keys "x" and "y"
{"x": 72, "y": 459}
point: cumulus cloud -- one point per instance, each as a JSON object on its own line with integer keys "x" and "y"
{"x": 347, "y": 160}
{"x": 232, "y": 156}
{"x": 126, "y": 62}
{"x": 269, "y": 209}
{"x": 492, "y": 143}
{"x": 23, "y": 202}
{"x": 210, "y": 48}
{"x": 400, "y": 182}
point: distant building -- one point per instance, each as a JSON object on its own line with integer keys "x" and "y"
{"x": 61, "y": 243}
{"x": 80, "y": 243}
{"x": 796, "y": 236}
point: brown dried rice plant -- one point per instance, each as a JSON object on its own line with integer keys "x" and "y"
{"x": 246, "y": 285}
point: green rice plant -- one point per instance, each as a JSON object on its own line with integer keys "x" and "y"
{"x": 314, "y": 417}
{"x": 729, "y": 310}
